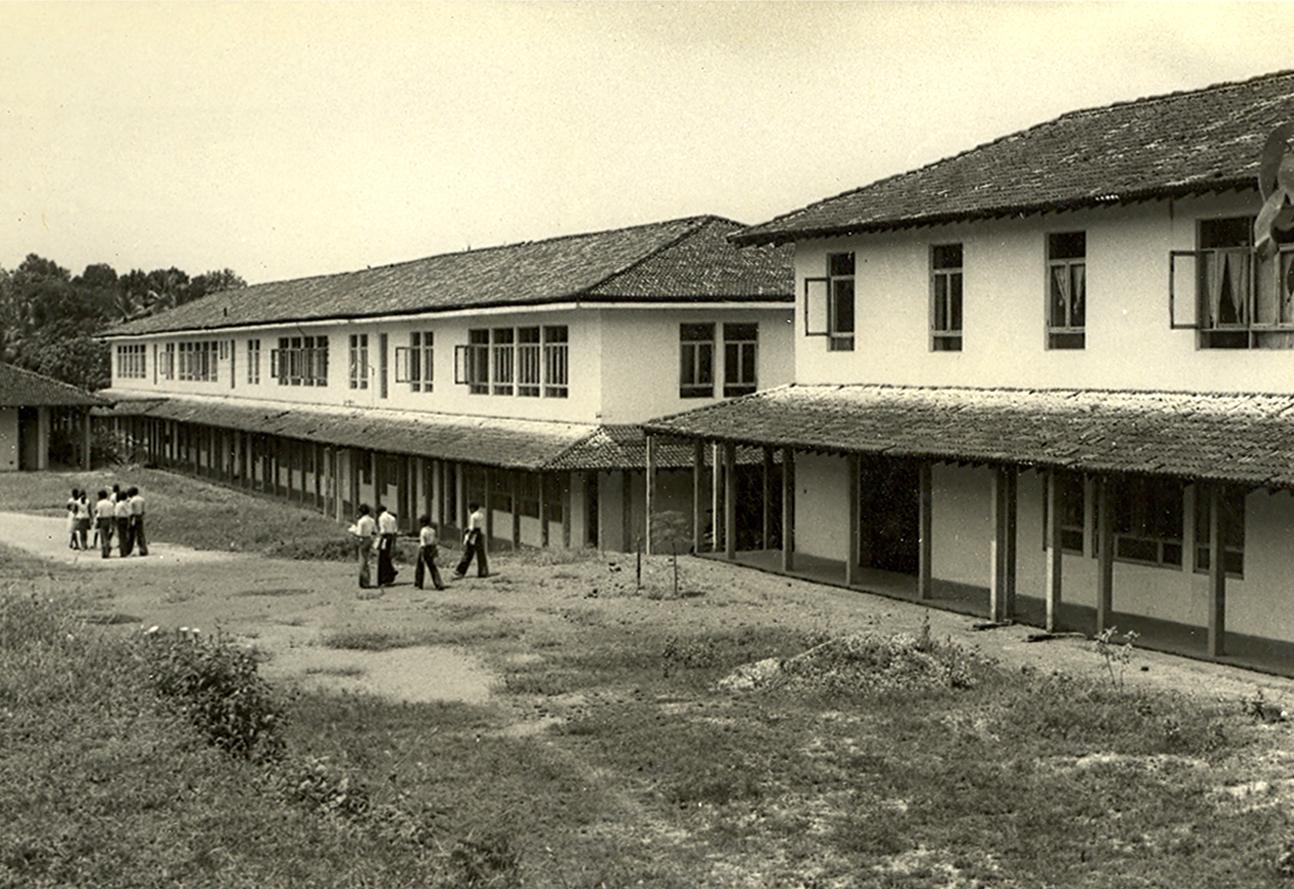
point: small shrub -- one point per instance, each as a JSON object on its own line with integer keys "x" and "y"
{"x": 215, "y": 684}
{"x": 321, "y": 787}
{"x": 1116, "y": 656}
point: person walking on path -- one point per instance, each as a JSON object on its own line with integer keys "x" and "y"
{"x": 83, "y": 513}
{"x": 125, "y": 542}
{"x": 137, "y": 519}
{"x": 387, "y": 529}
{"x": 72, "y": 541}
{"x": 474, "y": 544}
{"x": 428, "y": 550}
{"x": 105, "y": 513}
{"x": 364, "y": 529}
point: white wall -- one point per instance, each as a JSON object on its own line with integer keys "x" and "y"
{"x": 641, "y": 357}
{"x": 961, "y": 524}
{"x": 822, "y": 506}
{"x": 1128, "y": 344}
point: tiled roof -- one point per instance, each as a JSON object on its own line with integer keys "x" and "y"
{"x": 1205, "y": 140}
{"x": 23, "y": 388}
{"x": 680, "y": 260}
{"x": 1243, "y": 438}
{"x": 491, "y": 441}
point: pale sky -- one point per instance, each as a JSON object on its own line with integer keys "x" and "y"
{"x": 285, "y": 140}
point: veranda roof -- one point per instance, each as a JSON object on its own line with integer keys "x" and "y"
{"x": 1240, "y": 438}
{"x": 23, "y": 388}
{"x": 490, "y": 441}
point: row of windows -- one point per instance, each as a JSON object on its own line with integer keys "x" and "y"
{"x": 298, "y": 361}
{"x": 1244, "y": 299}
{"x": 131, "y": 362}
{"x": 524, "y": 361}
{"x": 192, "y": 361}
{"x": 696, "y": 377}
{"x": 1148, "y": 516}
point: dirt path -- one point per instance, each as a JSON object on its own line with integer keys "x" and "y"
{"x": 289, "y": 609}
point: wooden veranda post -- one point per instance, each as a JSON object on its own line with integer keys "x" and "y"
{"x": 1217, "y": 573}
{"x": 766, "y": 515}
{"x": 1003, "y": 507}
{"x": 1104, "y": 555}
{"x": 716, "y": 514}
{"x": 650, "y": 494}
{"x": 924, "y": 529}
{"x": 855, "y": 520}
{"x": 1054, "y": 561}
{"x": 698, "y": 494}
{"x": 730, "y": 500}
{"x": 788, "y": 510}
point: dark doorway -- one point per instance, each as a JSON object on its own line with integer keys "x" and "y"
{"x": 889, "y": 523}
{"x": 28, "y": 438}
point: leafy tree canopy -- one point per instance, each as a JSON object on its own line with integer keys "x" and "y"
{"x": 50, "y": 320}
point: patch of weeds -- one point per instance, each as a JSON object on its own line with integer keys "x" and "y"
{"x": 110, "y": 618}
{"x": 547, "y": 683}
{"x": 274, "y": 593}
{"x": 319, "y": 785}
{"x": 1116, "y": 655}
{"x": 216, "y": 686}
{"x": 350, "y": 672}
{"x": 1258, "y": 708}
{"x": 714, "y": 784}
{"x": 486, "y": 863}
{"x": 456, "y": 612}
{"x": 368, "y": 640}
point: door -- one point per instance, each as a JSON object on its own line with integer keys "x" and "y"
{"x": 889, "y": 521}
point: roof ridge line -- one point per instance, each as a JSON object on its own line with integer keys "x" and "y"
{"x": 698, "y": 222}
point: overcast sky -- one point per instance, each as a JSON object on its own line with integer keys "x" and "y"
{"x": 307, "y": 138}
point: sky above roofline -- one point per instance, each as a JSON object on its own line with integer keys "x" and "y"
{"x": 288, "y": 140}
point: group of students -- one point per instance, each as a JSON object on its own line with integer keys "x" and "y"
{"x": 377, "y": 536}
{"x": 117, "y": 514}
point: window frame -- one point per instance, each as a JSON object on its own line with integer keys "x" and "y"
{"x": 947, "y": 298}
{"x": 1233, "y": 549}
{"x": 696, "y": 376}
{"x": 556, "y": 359}
{"x": 415, "y": 363}
{"x": 529, "y": 361}
{"x": 358, "y": 366}
{"x": 503, "y": 360}
{"x": 472, "y": 362}
{"x": 132, "y": 361}
{"x": 740, "y": 358}
{"x": 1135, "y": 525}
{"x": 254, "y": 361}
{"x": 1061, "y": 259}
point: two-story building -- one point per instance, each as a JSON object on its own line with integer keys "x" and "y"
{"x": 514, "y": 376}
{"x": 1047, "y": 379}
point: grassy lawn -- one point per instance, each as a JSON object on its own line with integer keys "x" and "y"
{"x": 618, "y": 755}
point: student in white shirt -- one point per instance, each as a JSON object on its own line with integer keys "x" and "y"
{"x": 105, "y": 515}
{"x": 364, "y": 529}
{"x": 474, "y": 544}
{"x": 428, "y": 549}
{"x": 136, "y": 501}
{"x": 387, "y": 529}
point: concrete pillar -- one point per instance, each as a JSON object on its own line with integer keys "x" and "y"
{"x": 698, "y": 496}
{"x": 650, "y": 494}
{"x": 1054, "y": 552}
{"x": 854, "y": 523}
{"x": 730, "y": 500}
{"x": 1104, "y": 554}
{"x": 1217, "y": 573}
{"x": 925, "y": 527}
{"x": 788, "y": 509}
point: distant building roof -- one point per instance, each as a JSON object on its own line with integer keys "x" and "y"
{"x": 683, "y": 260}
{"x": 24, "y": 388}
{"x": 1183, "y": 143}
{"x": 1241, "y": 438}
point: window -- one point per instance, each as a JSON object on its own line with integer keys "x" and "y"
{"x": 198, "y": 361}
{"x": 359, "y": 361}
{"x": 1148, "y": 520}
{"x": 472, "y": 362}
{"x": 739, "y": 351}
{"x": 696, "y": 353}
{"x": 556, "y": 361}
{"x": 528, "y": 494}
{"x": 528, "y": 362}
{"x": 414, "y": 365}
{"x": 167, "y": 362}
{"x": 254, "y": 362}
{"x": 131, "y": 362}
{"x": 501, "y": 353}
{"x": 1246, "y": 300}
{"x": 946, "y": 298}
{"x": 300, "y": 361}
{"x": 829, "y": 303}
{"x": 1066, "y": 290}
{"x": 1233, "y": 530}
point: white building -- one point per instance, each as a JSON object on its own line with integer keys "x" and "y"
{"x": 1049, "y": 379}
{"x": 512, "y": 376}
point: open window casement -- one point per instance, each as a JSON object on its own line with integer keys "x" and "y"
{"x": 817, "y": 310}
{"x": 1184, "y": 290}
{"x": 402, "y": 364}
{"x": 463, "y": 365}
